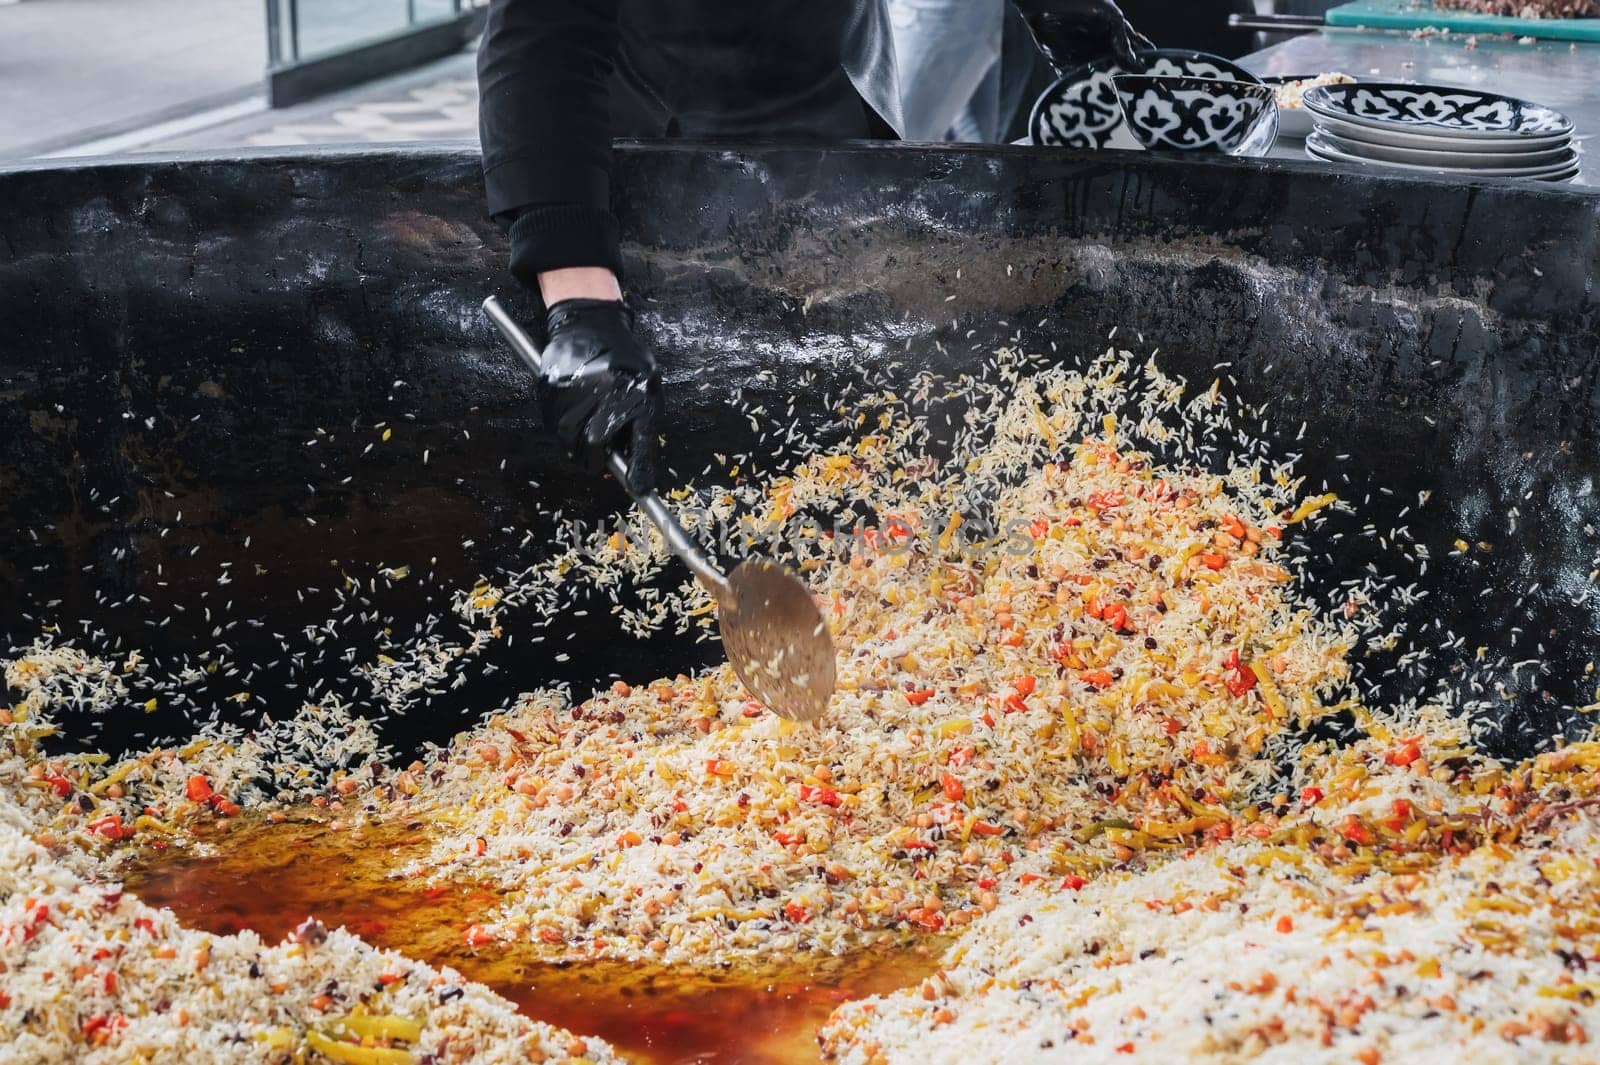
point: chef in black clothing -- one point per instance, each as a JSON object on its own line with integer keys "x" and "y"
{"x": 558, "y": 79}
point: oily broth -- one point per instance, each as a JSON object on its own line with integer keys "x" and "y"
{"x": 270, "y": 876}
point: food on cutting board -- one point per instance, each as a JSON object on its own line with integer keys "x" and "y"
{"x": 1290, "y": 94}
{"x": 1527, "y": 8}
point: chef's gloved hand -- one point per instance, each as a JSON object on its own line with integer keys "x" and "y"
{"x": 600, "y": 388}
{"x": 1070, "y": 32}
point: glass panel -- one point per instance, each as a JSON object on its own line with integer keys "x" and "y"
{"x": 280, "y": 32}
{"x": 336, "y": 25}
{"x": 434, "y": 10}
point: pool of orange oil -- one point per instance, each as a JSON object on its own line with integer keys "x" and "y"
{"x": 269, "y": 877}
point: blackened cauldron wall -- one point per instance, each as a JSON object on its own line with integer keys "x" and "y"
{"x": 222, "y": 338}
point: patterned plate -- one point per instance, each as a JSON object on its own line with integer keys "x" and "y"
{"x": 1464, "y": 113}
{"x": 1404, "y": 138}
{"x": 1080, "y": 110}
{"x": 1317, "y": 148}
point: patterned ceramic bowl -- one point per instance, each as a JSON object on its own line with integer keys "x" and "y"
{"x": 1198, "y": 114}
{"x": 1080, "y": 109}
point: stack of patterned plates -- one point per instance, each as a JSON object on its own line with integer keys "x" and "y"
{"x": 1422, "y": 127}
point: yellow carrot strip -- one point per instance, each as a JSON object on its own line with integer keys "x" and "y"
{"x": 386, "y": 1026}
{"x": 1310, "y": 506}
{"x": 351, "y": 1054}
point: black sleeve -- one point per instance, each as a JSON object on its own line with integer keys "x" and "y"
{"x": 544, "y": 121}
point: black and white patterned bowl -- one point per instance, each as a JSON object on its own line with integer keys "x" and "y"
{"x": 1199, "y": 114}
{"x": 1435, "y": 109}
{"x": 1080, "y": 110}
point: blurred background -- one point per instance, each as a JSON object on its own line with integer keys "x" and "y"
{"x": 103, "y": 77}
{"x": 94, "y": 77}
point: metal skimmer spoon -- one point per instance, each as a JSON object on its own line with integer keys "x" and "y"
{"x": 772, "y": 629}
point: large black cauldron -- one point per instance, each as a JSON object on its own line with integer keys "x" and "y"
{"x": 174, "y": 335}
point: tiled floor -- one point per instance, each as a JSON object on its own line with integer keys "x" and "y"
{"x": 436, "y": 102}
{"x": 446, "y": 109}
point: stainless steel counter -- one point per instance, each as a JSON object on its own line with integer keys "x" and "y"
{"x": 1562, "y": 74}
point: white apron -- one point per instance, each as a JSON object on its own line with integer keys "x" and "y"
{"x": 931, "y": 68}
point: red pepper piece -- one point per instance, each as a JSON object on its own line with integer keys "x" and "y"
{"x": 1353, "y": 830}
{"x": 1408, "y": 752}
{"x": 1097, "y": 678}
{"x": 819, "y": 795}
{"x": 1100, "y": 502}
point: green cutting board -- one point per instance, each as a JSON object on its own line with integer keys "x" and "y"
{"x": 1415, "y": 14}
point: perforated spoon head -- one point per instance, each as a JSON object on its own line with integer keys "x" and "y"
{"x": 777, "y": 640}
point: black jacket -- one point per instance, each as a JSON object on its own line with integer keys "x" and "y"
{"x": 558, "y": 79}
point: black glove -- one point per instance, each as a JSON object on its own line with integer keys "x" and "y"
{"x": 600, "y": 388}
{"x": 1070, "y": 32}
